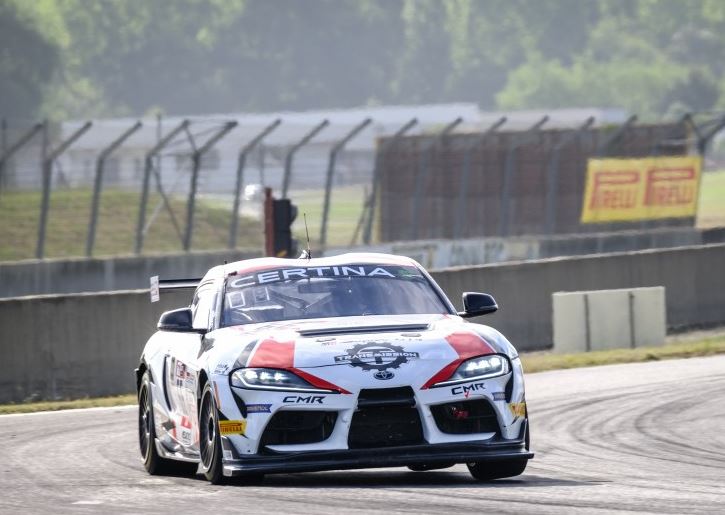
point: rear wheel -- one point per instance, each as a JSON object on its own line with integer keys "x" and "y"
{"x": 153, "y": 463}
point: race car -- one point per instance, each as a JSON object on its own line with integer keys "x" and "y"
{"x": 346, "y": 362}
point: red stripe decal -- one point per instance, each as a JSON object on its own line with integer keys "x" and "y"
{"x": 467, "y": 345}
{"x": 317, "y": 382}
{"x": 273, "y": 354}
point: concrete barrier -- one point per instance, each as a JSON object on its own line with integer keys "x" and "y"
{"x": 607, "y": 319}
{"x": 38, "y": 277}
{"x": 87, "y": 344}
{"x": 43, "y": 276}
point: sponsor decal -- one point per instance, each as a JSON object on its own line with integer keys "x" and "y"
{"x": 466, "y": 389}
{"x": 259, "y": 408}
{"x": 383, "y": 375}
{"x": 299, "y": 399}
{"x": 221, "y": 368}
{"x": 641, "y": 189}
{"x": 232, "y": 427}
{"x": 286, "y": 274}
{"x": 376, "y": 356}
{"x": 518, "y": 409}
{"x": 499, "y": 396}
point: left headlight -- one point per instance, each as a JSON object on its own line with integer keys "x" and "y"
{"x": 483, "y": 367}
{"x": 271, "y": 379}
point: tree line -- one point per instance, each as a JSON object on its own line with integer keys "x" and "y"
{"x": 90, "y": 58}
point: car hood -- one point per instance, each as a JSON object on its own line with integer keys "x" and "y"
{"x": 346, "y": 348}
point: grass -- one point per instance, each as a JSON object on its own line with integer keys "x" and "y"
{"x": 68, "y": 220}
{"x": 99, "y": 402}
{"x": 543, "y": 361}
{"x": 533, "y": 362}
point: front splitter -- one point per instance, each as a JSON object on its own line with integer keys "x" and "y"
{"x": 315, "y": 461}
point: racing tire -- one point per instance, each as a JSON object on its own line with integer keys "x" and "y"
{"x": 210, "y": 444}
{"x": 488, "y": 471}
{"x": 153, "y": 463}
{"x": 426, "y": 467}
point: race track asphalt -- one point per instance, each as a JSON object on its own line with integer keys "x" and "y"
{"x": 646, "y": 437}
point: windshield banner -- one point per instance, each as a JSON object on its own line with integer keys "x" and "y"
{"x": 641, "y": 189}
{"x": 286, "y": 274}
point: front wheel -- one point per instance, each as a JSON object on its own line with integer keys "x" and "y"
{"x": 488, "y": 471}
{"x": 209, "y": 440}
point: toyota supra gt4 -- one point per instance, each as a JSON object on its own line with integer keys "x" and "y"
{"x": 346, "y": 362}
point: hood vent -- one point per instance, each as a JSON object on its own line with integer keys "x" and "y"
{"x": 397, "y": 328}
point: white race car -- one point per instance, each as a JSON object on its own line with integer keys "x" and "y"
{"x": 346, "y": 362}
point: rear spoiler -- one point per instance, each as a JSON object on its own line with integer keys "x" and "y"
{"x": 170, "y": 284}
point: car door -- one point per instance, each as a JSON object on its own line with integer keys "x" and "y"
{"x": 183, "y": 368}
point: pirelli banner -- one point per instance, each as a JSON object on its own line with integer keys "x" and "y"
{"x": 619, "y": 190}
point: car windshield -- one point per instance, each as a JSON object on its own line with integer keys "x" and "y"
{"x": 328, "y": 291}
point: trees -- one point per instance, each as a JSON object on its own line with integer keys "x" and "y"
{"x": 77, "y": 58}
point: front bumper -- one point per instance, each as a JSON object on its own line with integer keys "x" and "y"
{"x": 427, "y": 454}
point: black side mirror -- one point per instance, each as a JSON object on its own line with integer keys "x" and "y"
{"x": 178, "y": 320}
{"x": 477, "y": 304}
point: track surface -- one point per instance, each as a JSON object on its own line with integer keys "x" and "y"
{"x": 644, "y": 437}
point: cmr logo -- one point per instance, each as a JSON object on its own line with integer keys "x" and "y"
{"x": 641, "y": 189}
{"x": 309, "y": 399}
{"x": 466, "y": 389}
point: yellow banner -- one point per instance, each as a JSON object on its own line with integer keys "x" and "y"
{"x": 641, "y": 189}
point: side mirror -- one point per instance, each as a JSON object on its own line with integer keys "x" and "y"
{"x": 178, "y": 320}
{"x": 477, "y": 304}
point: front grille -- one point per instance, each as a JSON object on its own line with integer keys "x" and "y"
{"x": 298, "y": 427}
{"x": 385, "y": 417}
{"x": 465, "y": 417}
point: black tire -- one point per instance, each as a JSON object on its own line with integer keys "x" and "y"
{"x": 488, "y": 471}
{"x": 210, "y": 445}
{"x": 425, "y": 467}
{"x": 153, "y": 463}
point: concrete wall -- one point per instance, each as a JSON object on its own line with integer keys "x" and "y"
{"x": 88, "y": 344}
{"x": 41, "y": 276}
{"x": 608, "y": 319}
{"x": 693, "y": 276}
{"x": 38, "y": 277}
{"x": 78, "y": 345}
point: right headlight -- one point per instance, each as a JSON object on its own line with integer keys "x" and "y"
{"x": 482, "y": 367}
{"x": 271, "y": 379}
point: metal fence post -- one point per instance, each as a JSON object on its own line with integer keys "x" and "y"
{"x": 424, "y": 172}
{"x": 552, "y": 176}
{"x": 47, "y": 176}
{"x": 293, "y": 150}
{"x": 9, "y": 152}
{"x": 148, "y": 165}
{"x": 98, "y": 184}
{"x": 462, "y": 197}
{"x": 336, "y": 148}
{"x": 196, "y": 164}
{"x": 606, "y": 146}
{"x": 510, "y": 168}
{"x": 241, "y": 162}
{"x": 379, "y": 160}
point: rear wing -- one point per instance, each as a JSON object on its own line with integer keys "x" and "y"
{"x": 157, "y": 285}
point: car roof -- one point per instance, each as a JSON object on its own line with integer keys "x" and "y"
{"x": 250, "y": 265}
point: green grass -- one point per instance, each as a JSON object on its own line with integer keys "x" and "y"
{"x": 68, "y": 220}
{"x": 711, "y": 212}
{"x": 542, "y": 361}
{"x": 346, "y": 205}
{"x": 31, "y": 407}
{"x": 533, "y": 362}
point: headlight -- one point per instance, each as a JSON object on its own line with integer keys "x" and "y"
{"x": 483, "y": 367}
{"x": 271, "y": 379}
